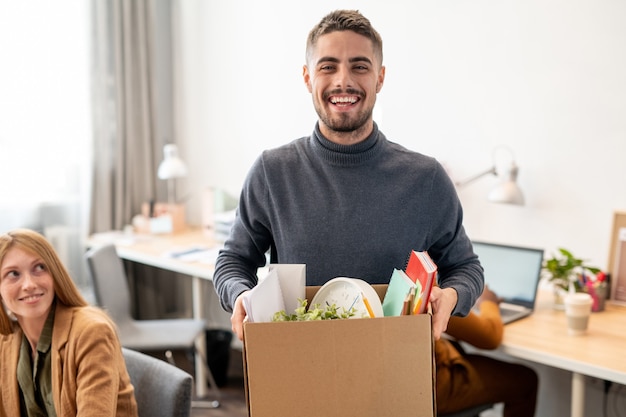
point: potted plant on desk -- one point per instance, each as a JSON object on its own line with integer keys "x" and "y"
{"x": 568, "y": 274}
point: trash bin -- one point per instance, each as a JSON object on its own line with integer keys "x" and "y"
{"x": 218, "y": 354}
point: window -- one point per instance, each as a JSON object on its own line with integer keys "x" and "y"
{"x": 45, "y": 134}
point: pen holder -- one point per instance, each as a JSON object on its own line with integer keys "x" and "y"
{"x": 599, "y": 293}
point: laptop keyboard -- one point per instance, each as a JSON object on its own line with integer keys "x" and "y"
{"x": 505, "y": 312}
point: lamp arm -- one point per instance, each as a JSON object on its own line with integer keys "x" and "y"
{"x": 463, "y": 183}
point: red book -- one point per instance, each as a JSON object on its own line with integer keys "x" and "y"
{"x": 421, "y": 269}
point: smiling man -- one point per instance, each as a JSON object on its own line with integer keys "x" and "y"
{"x": 345, "y": 201}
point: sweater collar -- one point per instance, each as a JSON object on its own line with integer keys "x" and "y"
{"x": 347, "y": 154}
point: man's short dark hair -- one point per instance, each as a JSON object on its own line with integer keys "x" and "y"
{"x": 340, "y": 20}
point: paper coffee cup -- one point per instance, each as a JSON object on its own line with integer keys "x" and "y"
{"x": 577, "y": 311}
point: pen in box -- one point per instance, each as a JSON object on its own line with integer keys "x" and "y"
{"x": 368, "y": 306}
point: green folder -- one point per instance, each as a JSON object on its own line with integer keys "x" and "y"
{"x": 399, "y": 286}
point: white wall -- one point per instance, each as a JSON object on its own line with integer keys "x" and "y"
{"x": 543, "y": 77}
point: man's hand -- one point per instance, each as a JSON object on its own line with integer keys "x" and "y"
{"x": 238, "y": 316}
{"x": 443, "y": 302}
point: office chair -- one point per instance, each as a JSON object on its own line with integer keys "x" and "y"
{"x": 469, "y": 412}
{"x": 161, "y": 389}
{"x": 113, "y": 294}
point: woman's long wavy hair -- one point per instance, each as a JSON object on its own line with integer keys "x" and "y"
{"x": 65, "y": 289}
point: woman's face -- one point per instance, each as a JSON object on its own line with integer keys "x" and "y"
{"x": 26, "y": 286}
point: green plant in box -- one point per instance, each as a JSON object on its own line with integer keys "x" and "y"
{"x": 314, "y": 313}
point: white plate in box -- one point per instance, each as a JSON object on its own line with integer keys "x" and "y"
{"x": 346, "y": 293}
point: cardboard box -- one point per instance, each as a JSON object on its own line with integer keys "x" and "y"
{"x": 357, "y": 367}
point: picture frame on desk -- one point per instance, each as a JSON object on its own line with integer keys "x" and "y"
{"x": 617, "y": 259}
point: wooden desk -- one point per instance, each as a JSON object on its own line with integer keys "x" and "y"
{"x": 153, "y": 250}
{"x": 540, "y": 338}
{"x": 543, "y": 338}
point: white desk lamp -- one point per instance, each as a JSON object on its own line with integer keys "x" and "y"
{"x": 171, "y": 167}
{"x": 507, "y": 191}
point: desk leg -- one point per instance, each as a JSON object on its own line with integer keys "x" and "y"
{"x": 578, "y": 395}
{"x": 198, "y": 301}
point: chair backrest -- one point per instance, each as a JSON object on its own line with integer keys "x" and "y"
{"x": 109, "y": 281}
{"x": 161, "y": 389}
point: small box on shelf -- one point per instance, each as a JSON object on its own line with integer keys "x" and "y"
{"x": 160, "y": 218}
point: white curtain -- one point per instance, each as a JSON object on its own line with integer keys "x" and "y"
{"x": 46, "y": 123}
{"x": 133, "y": 113}
{"x": 128, "y": 111}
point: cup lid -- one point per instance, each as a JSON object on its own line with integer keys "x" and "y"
{"x": 578, "y": 298}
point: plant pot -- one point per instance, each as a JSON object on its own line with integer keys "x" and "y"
{"x": 559, "y": 298}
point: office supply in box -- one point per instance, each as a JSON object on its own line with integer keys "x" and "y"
{"x": 279, "y": 290}
{"x": 292, "y": 280}
{"x": 265, "y": 299}
{"x": 409, "y": 290}
{"x": 368, "y": 367}
{"x": 400, "y": 285}
{"x": 421, "y": 268}
{"x": 349, "y": 294}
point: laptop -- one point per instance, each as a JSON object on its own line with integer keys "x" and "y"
{"x": 513, "y": 273}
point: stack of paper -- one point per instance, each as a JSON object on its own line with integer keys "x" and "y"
{"x": 222, "y": 223}
{"x": 280, "y": 290}
{"x": 195, "y": 254}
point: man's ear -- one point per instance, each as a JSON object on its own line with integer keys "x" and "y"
{"x": 307, "y": 78}
{"x": 381, "y": 79}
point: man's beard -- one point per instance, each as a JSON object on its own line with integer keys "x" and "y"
{"x": 343, "y": 122}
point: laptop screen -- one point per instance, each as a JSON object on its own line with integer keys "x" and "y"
{"x": 512, "y": 272}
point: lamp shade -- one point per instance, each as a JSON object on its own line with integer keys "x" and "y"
{"x": 507, "y": 192}
{"x": 171, "y": 166}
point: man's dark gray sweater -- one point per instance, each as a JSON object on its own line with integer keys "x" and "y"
{"x": 354, "y": 211}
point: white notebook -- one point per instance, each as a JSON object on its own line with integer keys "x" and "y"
{"x": 280, "y": 290}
